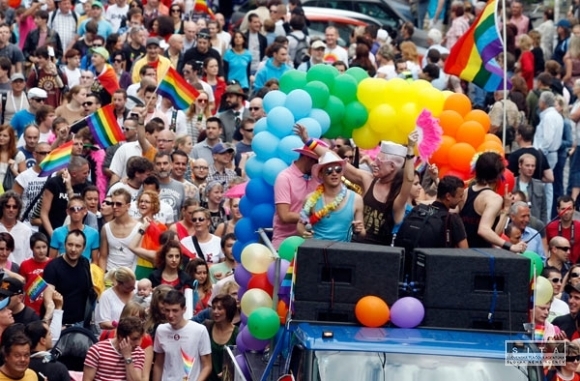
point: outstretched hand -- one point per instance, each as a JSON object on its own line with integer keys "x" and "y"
{"x": 413, "y": 138}
{"x": 301, "y": 131}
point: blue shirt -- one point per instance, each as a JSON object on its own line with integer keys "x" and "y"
{"x": 59, "y": 236}
{"x": 21, "y": 120}
{"x": 238, "y": 66}
{"x": 105, "y": 28}
{"x": 535, "y": 244}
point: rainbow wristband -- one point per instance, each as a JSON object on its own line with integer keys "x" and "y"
{"x": 311, "y": 143}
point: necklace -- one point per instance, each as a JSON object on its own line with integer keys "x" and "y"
{"x": 308, "y": 214}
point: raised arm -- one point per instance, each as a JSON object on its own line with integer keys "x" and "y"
{"x": 408, "y": 177}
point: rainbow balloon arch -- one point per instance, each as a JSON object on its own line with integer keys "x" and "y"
{"x": 330, "y": 105}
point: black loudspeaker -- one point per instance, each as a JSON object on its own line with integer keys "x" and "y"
{"x": 460, "y": 287}
{"x": 331, "y": 277}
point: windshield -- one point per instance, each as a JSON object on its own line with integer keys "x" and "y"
{"x": 369, "y": 366}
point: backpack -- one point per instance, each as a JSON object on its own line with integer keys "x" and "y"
{"x": 301, "y": 50}
{"x": 424, "y": 226}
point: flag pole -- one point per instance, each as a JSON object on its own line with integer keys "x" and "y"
{"x": 504, "y": 33}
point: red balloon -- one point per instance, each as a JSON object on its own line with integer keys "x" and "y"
{"x": 507, "y": 178}
{"x": 261, "y": 281}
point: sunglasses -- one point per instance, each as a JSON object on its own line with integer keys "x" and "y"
{"x": 76, "y": 208}
{"x": 255, "y": 108}
{"x": 349, "y": 157}
{"x": 37, "y": 99}
{"x": 556, "y": 280}
{"x": 563, "y": 248}
{"x": 200, "y": 219}
{"x": 108, "y": 203}
{"x": 330, "y": 170}
{"x": 117, "y": 204}
{"x": 249, "y": 129}
{"x": 200, "y": 167}
{"x": 118, "y": 60}
{"x": 202, "y": 100}
{"x": 42, "y": 152}
{"x": 97, "y": 45}
{"x": 11, "y": 207}
{"x": 203, "y": 35}
{"x": 176, "y": 10}
{"x": 88, "y": 104}
{"x": 572, "y": 358}
{"x": 574, "y": 275}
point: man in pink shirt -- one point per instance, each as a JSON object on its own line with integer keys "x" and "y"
{"x": 290, "y": 191}
{"x": 521, "y": 21}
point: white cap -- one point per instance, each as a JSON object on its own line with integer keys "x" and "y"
{"x": 36, "y": 92}
{"x": 382, "y": 35}
{"x": 391, "y": 148}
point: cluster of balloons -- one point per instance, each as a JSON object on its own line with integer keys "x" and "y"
{"x": 373, "y": 312}
{"x": 544, "y": 290}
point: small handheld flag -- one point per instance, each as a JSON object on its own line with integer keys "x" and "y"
{"x": 104, "y": 127}
{"x": 177, "y": 90}
{"x": 56, "y": 160}
{"x": 36, "y": 288}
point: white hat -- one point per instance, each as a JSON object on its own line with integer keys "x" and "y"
{"x": 36, "y": 92}
{"x": 391, "y": 148}
{"x": 327, "y": 158}
{"x": 382, "y": 35}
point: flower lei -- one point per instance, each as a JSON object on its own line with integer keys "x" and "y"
{"x": 306, "y": 216}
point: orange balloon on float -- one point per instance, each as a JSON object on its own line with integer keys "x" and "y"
{"x": 471, "y": 133}
{"x": 462, "y": 153}
{"x": 459, "y": 103}
{"x": 282, "y": 311}
{"x": 491, "y": 145}
{"x": 372, "y": 311}
{"x": 480, "y": 117}
{"x": 450, "y": 121}
{"x": 492, "y": 138}
{"x": 441, "y": 156}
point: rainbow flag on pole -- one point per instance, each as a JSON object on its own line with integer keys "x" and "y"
{"x": 177, "y": 90}
{"x": 201, "y": 6}
{"x": 104, "y": 127}
{"x": 56, "y": 160}
{"x": 187, "y": 362}
{"x": 36, "y": 288}
{"x": 472, "y": 58}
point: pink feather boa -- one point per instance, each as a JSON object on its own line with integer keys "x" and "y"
{"x": 99, "y": 157}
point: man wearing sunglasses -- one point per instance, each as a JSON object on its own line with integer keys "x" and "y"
{"x": 558, "y": 307}
{"x": 25, "y": 117}
{"x": 559, "y": 254}
{"x": 332, "y": 212}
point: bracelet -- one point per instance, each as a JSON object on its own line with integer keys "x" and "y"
{"x": 311, "y": 143}
{"x": 506, "y": 245}
{"x": 409, "y": 157}
{"x": 141, "y": 231}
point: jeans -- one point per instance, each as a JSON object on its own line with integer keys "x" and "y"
{"x": 558, "y": 180}
{"x": 548, "y": 188}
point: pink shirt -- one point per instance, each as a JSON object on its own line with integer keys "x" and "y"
{"x": 24, "y": 27}
{"x": 522, "y": 23}
{"x": 291, "y": 188}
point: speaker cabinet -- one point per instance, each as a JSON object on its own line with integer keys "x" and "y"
{"x": 324, "y": 311}
{"x": 475, "y": 319}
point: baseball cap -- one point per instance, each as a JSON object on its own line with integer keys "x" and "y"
{"x": 152, "y": 41}
{"x": 97, "y": 3}
{"x": 36, "y": 92}
{"x": 102, "y": 52}
{"x": 16, "y": 77}
{"x": 564, "y": 24}
{"x": 203, "y": 33}
{"x": 318, "y": 44}
{"x": 11, "y": 286}
{"x": 221, "y": 148}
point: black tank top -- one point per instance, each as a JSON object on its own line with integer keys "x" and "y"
{"x": 374, "y": 219}
{"x": 471, "y": 219}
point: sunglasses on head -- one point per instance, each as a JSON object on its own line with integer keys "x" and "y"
{"x": 203, "y": 35}
{"x": 76, "y": 208}
{"x": 329, "y": 170}
{"x": 200, "y": 219}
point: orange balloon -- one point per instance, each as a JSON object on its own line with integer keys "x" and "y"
{"x": 441, "y": 156}
{"x": 491, "y": 145}
{"x": 462, "y": 154}
{"x": 372, "y": 311}
{"x": 459, "y": 103}
{"x": 492, "y": 138}
{"x": 444, "y": 170}
{"x": 480, "y": 117}
{"x": 282, "y": 310}
{"x": 450, "y": 121}
{"x": 471, "y": 133}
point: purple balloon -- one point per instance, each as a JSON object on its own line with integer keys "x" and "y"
{"x": 251, "y": 342}
{"x": 407, "y": 312}
{"x": 241, "y": 292}
{"x": 242, "y": 277}
{"x": 241, "y": 360}
{"x": 284, "y": 264}
{"x": 243, "y": 318}
{"x": 241, "y": 346}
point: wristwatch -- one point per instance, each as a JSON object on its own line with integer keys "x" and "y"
{"x": 129, "y": 360}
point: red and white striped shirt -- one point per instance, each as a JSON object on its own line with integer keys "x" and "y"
{"x": 109, "y": 363}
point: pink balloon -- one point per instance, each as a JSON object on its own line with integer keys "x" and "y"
{"x": 407, "y": 312}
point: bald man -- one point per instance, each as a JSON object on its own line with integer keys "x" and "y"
{"x": 175, "y": 51}
{"x": 559, "y": 254}
{"x": 190, "y": 33}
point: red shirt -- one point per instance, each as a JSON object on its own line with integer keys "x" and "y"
{"x": 552, "y": 230}
{"x": 29, "y": 269}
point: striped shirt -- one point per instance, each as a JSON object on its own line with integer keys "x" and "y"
{"x": 109, "y": 363}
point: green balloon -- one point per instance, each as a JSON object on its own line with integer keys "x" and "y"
{"x": 345, "y": 88}
{"x": 335, "y": 110}
{"x": 323, "y": 73}
{"x": 289, "y": 246}
{"x": 355, "y": 115}
{"x": 263, "y": 323}
{"x": 334, "y": 131}
{"x": 536, "y": 261}
{"x": 357, "y": 73}
{"x": 292, "y": 80}
{"x": 318, "y": 92}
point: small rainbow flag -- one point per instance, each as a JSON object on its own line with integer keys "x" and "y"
{"x": 108, "y": 79}
{"x": 472, "y": 58}
{"x": 36, "y": 288}
{"x": 177, "y": 90}
{"x": 286, "y": 285}
{"x": 56, "y": 160}
{"x": 201, "y": 6}
{"x": 187, "y": 362}
{"x": 104, "y": 127}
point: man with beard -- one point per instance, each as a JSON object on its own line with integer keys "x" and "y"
{"x": 233, "y": 116}
{"x": 171, "y": 191}
{"x": 203, "y": 50}
{"x": 199, "y": 176}
{"x": 180, "y": 162}
{"x": 222, "y": 159}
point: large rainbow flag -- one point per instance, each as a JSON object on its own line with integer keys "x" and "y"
{"x": 56, "y": 160}
{"x": 177, "y": 90}
{"x": 472, "y": 58}
{"x": 104, "y": 127}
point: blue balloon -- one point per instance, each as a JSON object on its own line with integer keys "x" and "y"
{"x": 272, "y": 168}
{"x": 287, "y": 145}
{"x": 245, "y": 207}
{"x": 237, "y": 251}
{"x": 259, "y": 191}
{"x": 273, "y": 99}
{"x": 260, "y": 125}
{"x": 280, "y": 122}
{"x": 265, "y": 145}
{"x": 262, "y": 215}
{"x": 245, "y": 230}
{"x": 254, "y": 167}
{"x": 312, "y": 126}
{"x": 299, "y": 103}
{"x": 322, "y": 118}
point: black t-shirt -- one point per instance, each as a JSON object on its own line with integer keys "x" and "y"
{"x": 566, "y": 323}
{"x": 541, "y": 162}
{"x": 195, "y": 55}
{"x": 27, "y": 315}
{"x": 131, "y": 54}
{"x": 73, "y": 283}
{"x": 57, "y": 213}
{"x": 53, "y": 370}
{"x": 456, "y": 228}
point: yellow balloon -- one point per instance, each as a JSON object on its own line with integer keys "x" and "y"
{"x": 365, "y": 138}
{"x": 421, "y": 84}
{"x": 254, "y": 299}
{"x": 370, "y": 91}
{"x": 407, "y": 118}
{"x": 432, "y": 99}
{"x": 256, "y": 258}
{"x": 544, "y": 291}
{"x": 393, "y": 134}
{"x": 398, "y": 92}
{"x": 381, "y": 116}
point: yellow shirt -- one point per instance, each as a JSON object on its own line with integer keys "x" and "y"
{"x": 29, "y": 375}
{"x": 162, "y": 67}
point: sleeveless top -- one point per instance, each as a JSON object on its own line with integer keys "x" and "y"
{"x": 374, "y": 218}
{"x": 336, "y": 226}
{"x": 471, "y": 219}
{"x": 119, "y": 253}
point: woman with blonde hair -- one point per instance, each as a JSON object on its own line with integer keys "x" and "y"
{"x": 411, "y": 56}
{"x": 526, "y": 60}
{"x": 12, "y": 161}
{"x": 572, "y": 62}
{"x": 537, "y": 51}
{"x": 114, "y": 299}
{"x": 196, "y": 115}
{"x": 73, "y": 110}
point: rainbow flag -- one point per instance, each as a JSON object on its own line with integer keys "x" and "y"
{"x": 472, "y": 58}
{"x": 104, "y": 127}
{"x": 201, "y": 6}
{"x": 108, "y": 79}
{"x": 187, "y": 362}
{"x": 56, "y": 160}
{"x": 177, "y": 90}
{"x": 36, "y": 288}
{"x": 539, "y": 332}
